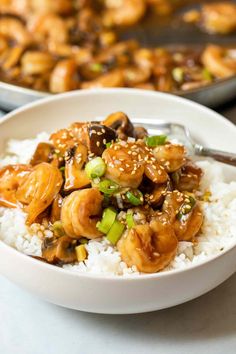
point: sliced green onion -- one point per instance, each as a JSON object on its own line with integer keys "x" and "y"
{"x": 135, "y": 199}
{"x": 95, "y": 168}
{"x": 186, "y": 208}
{"x": 115, "y": 232}
{"x": 153, "y": 141}
{"x": 108, "y": 218}
{"x": 96, "y": 67}
{"x": 178, "y": 74}
{"x": 206, "y": 74}
{"x": 130, "y": 220}
{"x": 83, "y": 241}
{"x": 108, "y": 145}
{"x": 108, "y": 187}
{"x": 58, "y": 229}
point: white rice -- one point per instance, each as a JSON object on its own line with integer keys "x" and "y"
{"x": 218, "y": 231}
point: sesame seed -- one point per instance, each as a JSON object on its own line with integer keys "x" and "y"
{"x": 98, "y": 143}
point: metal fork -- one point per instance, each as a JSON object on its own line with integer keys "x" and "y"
{"x": 182, "y": 134}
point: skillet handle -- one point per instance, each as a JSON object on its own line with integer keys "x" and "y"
{"x": 221, "y": 156}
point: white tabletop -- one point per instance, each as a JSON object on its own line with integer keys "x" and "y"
{"x": 29, "y": 325}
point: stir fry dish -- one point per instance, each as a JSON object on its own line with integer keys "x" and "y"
{"x": 107, "y": 180}
{"x": 63, "y": 45}
{"x": 217, "y": 17}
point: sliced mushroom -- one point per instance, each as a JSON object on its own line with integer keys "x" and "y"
{"x": 121, "y": 124}
{"x": 95, "y": 136}
{"x": 43, "y": 153}
{"x": 75, "y": 176}
{"x": 60, "y": 250}
{"x": 140, "y": 132}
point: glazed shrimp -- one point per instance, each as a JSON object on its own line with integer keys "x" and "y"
{"x": 12, "y": 58}
{"x": 14, "y": 30}
{"x": 171, "y": 156}
{"x": 114, "y": 78}
{"x": 185, "y": 215}
{"x": 64, "y": 77}
{"x": 123, "y": 165}
{"x": 80, "y": 213}
{"x": 62, "y": 7}
{"x": 149, "y": 247}
{"x": 11, "y": 178}
{"x": 39, "y": 189}
{"x": 124, "y": 12}
{"x": 126, "y": 164}
{"x": 218, "y": 61}
{"x": 219, "y": 17}
{"x": 35, "y": 63}
{"x": 50, "y": 27}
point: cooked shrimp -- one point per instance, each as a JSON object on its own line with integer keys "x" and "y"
{"x": 62, "y": 7}
{"x": 12, "y": 57}
{"x": 14, "y": 29}
{"x": 114, "y": 78}
{"x": 123, "y": 164}
{"x": 219, "y": 17}
{"x": 124, "y": 12}
{"x": 3, "y": 44}
{"x": 186, "y": 216}
{"x": 63, "y": 140}
{"x": 11, "y": 178}
{"x": 14, "y": 7}
{"x": 136, "y": 75}
{"x": 148, "y": 247}
{"x": 50, "y": 27}
{"x": 126, "y": 164}
{"x": 39, "y": 189}
{"x": 35, "y": 63}
{"x": 218, "y": 61}
{"x": 80, "y": 213}
{"x": 64, "y": 76}
{"x": 171, "y": 156}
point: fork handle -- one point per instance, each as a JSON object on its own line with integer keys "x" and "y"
{"x": 218, "y": 155}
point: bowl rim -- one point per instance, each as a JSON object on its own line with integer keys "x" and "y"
{"x": 101, "y": 276}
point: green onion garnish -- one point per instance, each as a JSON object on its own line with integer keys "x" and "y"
{"x": 108, "y": 187}
{"x": 115, "y": 232}
{"x": 186, "y": 208}
{"x": 108, "y": 218}
{"x": 58, "y": 229}
{"x": 130, "y": 220}
{"x": 153, "y": 141}
{"x": 135, "y": 199}
{"x": 108, "y": 145}
{"x": 95, "y": 168}
{"x": 178, "y": 74}
{"x": 96, "y": 67}
{"x": 83, "y": 241}
{"x": 206, "y": 74}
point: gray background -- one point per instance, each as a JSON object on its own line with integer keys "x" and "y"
{"x": 29, "y": 325}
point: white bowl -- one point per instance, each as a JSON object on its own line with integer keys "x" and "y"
{"x": 116, "y": 295}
